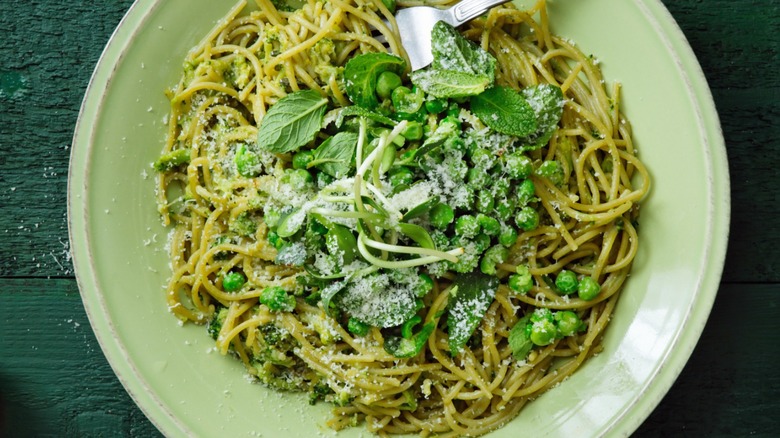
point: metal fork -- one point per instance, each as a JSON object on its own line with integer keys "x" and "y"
{"x": 415, "y": 25}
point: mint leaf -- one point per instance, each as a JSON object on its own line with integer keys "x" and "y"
{"x": 505, "y": 110}
{"x": 292, "y": 122}
{"x": 519, "y": 339}
{"x": 547, "y": 103}
{"x": 473, "y": 293}
{"x": 451, "y": 51}
{"x": 450, "y": 83}
{"x": 361, "y": 72}
{"x": 354, "y": 110}
{"x": 403, "y": 348}
{"x": 336, "y": 155}
{"x": 380, "y": 301}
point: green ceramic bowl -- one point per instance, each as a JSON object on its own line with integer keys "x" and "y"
{"x": 185, "y": 389}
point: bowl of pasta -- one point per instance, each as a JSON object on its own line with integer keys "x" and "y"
{"x": 280, "y": 229}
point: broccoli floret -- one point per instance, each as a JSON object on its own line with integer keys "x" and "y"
{"x": 215, "y": 325}
{"x": 172, "y": 159}
{"x": 243, "y": 225}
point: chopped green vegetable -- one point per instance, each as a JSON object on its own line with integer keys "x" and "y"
{"x": 172, "y": 159}
{"x": 277, "y": 299}
{"x": 402, "y": 347}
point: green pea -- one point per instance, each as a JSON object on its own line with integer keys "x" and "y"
{"x": 274, "y": 239}
{"x": 525, "y": 192}
{"x": 477, "y": 178}
{"x": 568, "y": 322}
{"x": 542, "y": 314}
{"x": 518, "y": 165}
{"x": 527, "y": 219}
{"x": 400, "y": 175}
{"x": 247, "y": 162}
{"x": 500, "y": 187}
{"x": 483, "y": 158}
{"x": 489, "y": 225}
{"x": 566, "y": 282}
{"x": 386, "y": 83}
{"x": 485, "y": 201}
{"x": 277, "y": 299}
{"x": 302, "y": 159}
{"x": 441, "y": 215}
{"x": 357, "y": 327}
{"x": 435, "y": 106}
{"x": 300, "y": 179}
{"x": 493, "y": 256}
{"x": 507, "y": 236}
{"x": 233, "y": 281}
{"x": 413, "y": 131}
{"x": 407, "y": 101}
{"x": 543, "y": 332}
{"x": 467, "y": 226}
{"x": 522, "y": 281}
{"x": 504, "y": 209}
{"x": 551, "y": 170}
{"x": 588, "y": 288}
{"x": 481, "y": 242}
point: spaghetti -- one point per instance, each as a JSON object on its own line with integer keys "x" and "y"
{"x": 587, "y": 210}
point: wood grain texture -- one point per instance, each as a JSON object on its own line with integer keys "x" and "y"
{"x": 55, "y": 381}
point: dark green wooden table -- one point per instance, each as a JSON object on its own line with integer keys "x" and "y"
{"x": 54, "y": 380}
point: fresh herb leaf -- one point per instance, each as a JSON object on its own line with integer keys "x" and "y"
{"x": 293, "y": 254}
{"x": 546, "y": 100}
{"x": 328, "y": 292}
{"x": 292, "y": 122}
{"x": 336, "y": 155}
{"x": 421, "y": 209}
{"x": 505, "y": 111}
{"x": 450, "y": 83}
{"x": 519, "y": 339}
{"x": 378, "y": 300}
{"x": 472, "y": 294}
{"x": 402, "y": 347}
{"x": 341, "y": 243}
{"x": 361, "y": 73}
{"x": 418, "y": 234}
{"x": 354, "y": 110}
{"x": 451, "y": 51}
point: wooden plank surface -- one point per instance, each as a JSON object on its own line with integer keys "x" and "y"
{"x": 54, "y": 380}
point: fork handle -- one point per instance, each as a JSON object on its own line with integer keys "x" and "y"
{"x": 470, "y": 9}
